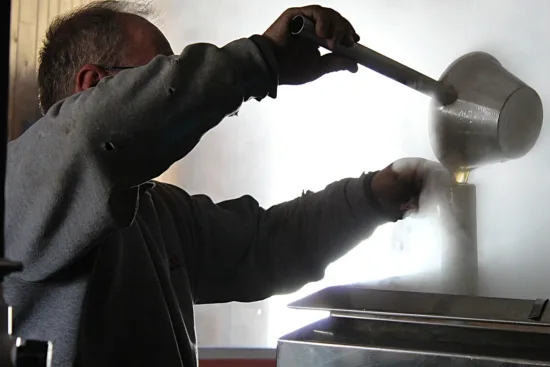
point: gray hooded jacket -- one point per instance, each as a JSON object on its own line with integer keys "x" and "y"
{"x": 114, "y": 262}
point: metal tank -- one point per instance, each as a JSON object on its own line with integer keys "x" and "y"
{"x": 378, "y": 328}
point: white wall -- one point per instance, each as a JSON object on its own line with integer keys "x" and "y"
{"x": 345, "y": 124}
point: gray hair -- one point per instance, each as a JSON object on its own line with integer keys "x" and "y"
{"x": 89, "y": 34}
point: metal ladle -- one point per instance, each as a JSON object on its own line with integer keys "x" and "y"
{"x": 480, "y": 112}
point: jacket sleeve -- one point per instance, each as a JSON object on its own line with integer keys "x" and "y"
{"x": 245, "y": 253}
{"x": 88, "y": 155}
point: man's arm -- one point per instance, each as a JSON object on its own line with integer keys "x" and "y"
{"x": 242, "y": 252}
{"x": 73, "y": 177}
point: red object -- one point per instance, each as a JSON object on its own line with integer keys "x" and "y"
{"x": 238, "y": 363}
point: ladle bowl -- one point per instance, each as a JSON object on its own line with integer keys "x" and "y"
{"x": 496, "y": 117}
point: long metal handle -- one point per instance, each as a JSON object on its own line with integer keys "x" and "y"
{"x": 445, "y": 94}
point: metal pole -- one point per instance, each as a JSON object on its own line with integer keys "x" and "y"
{"x": 445, "y": 94}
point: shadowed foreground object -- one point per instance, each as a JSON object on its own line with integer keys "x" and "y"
{"x": 480, "y": 114}
{"x": 375, "y": 61}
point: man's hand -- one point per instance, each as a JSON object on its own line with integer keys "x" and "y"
{"x": 408, "y": 184}
{"x": 300, "y": 61}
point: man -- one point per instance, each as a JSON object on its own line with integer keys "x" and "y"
{"x": 114, "y": 262}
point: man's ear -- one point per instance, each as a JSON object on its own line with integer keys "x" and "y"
{"x": 88, "y": 76}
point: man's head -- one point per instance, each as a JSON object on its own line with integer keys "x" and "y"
{"x": 93, "y": 42}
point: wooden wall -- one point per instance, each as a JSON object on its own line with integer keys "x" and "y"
{"x": 29, "y": 20}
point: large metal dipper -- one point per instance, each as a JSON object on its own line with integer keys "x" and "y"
{"x": 480, "y": 112}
